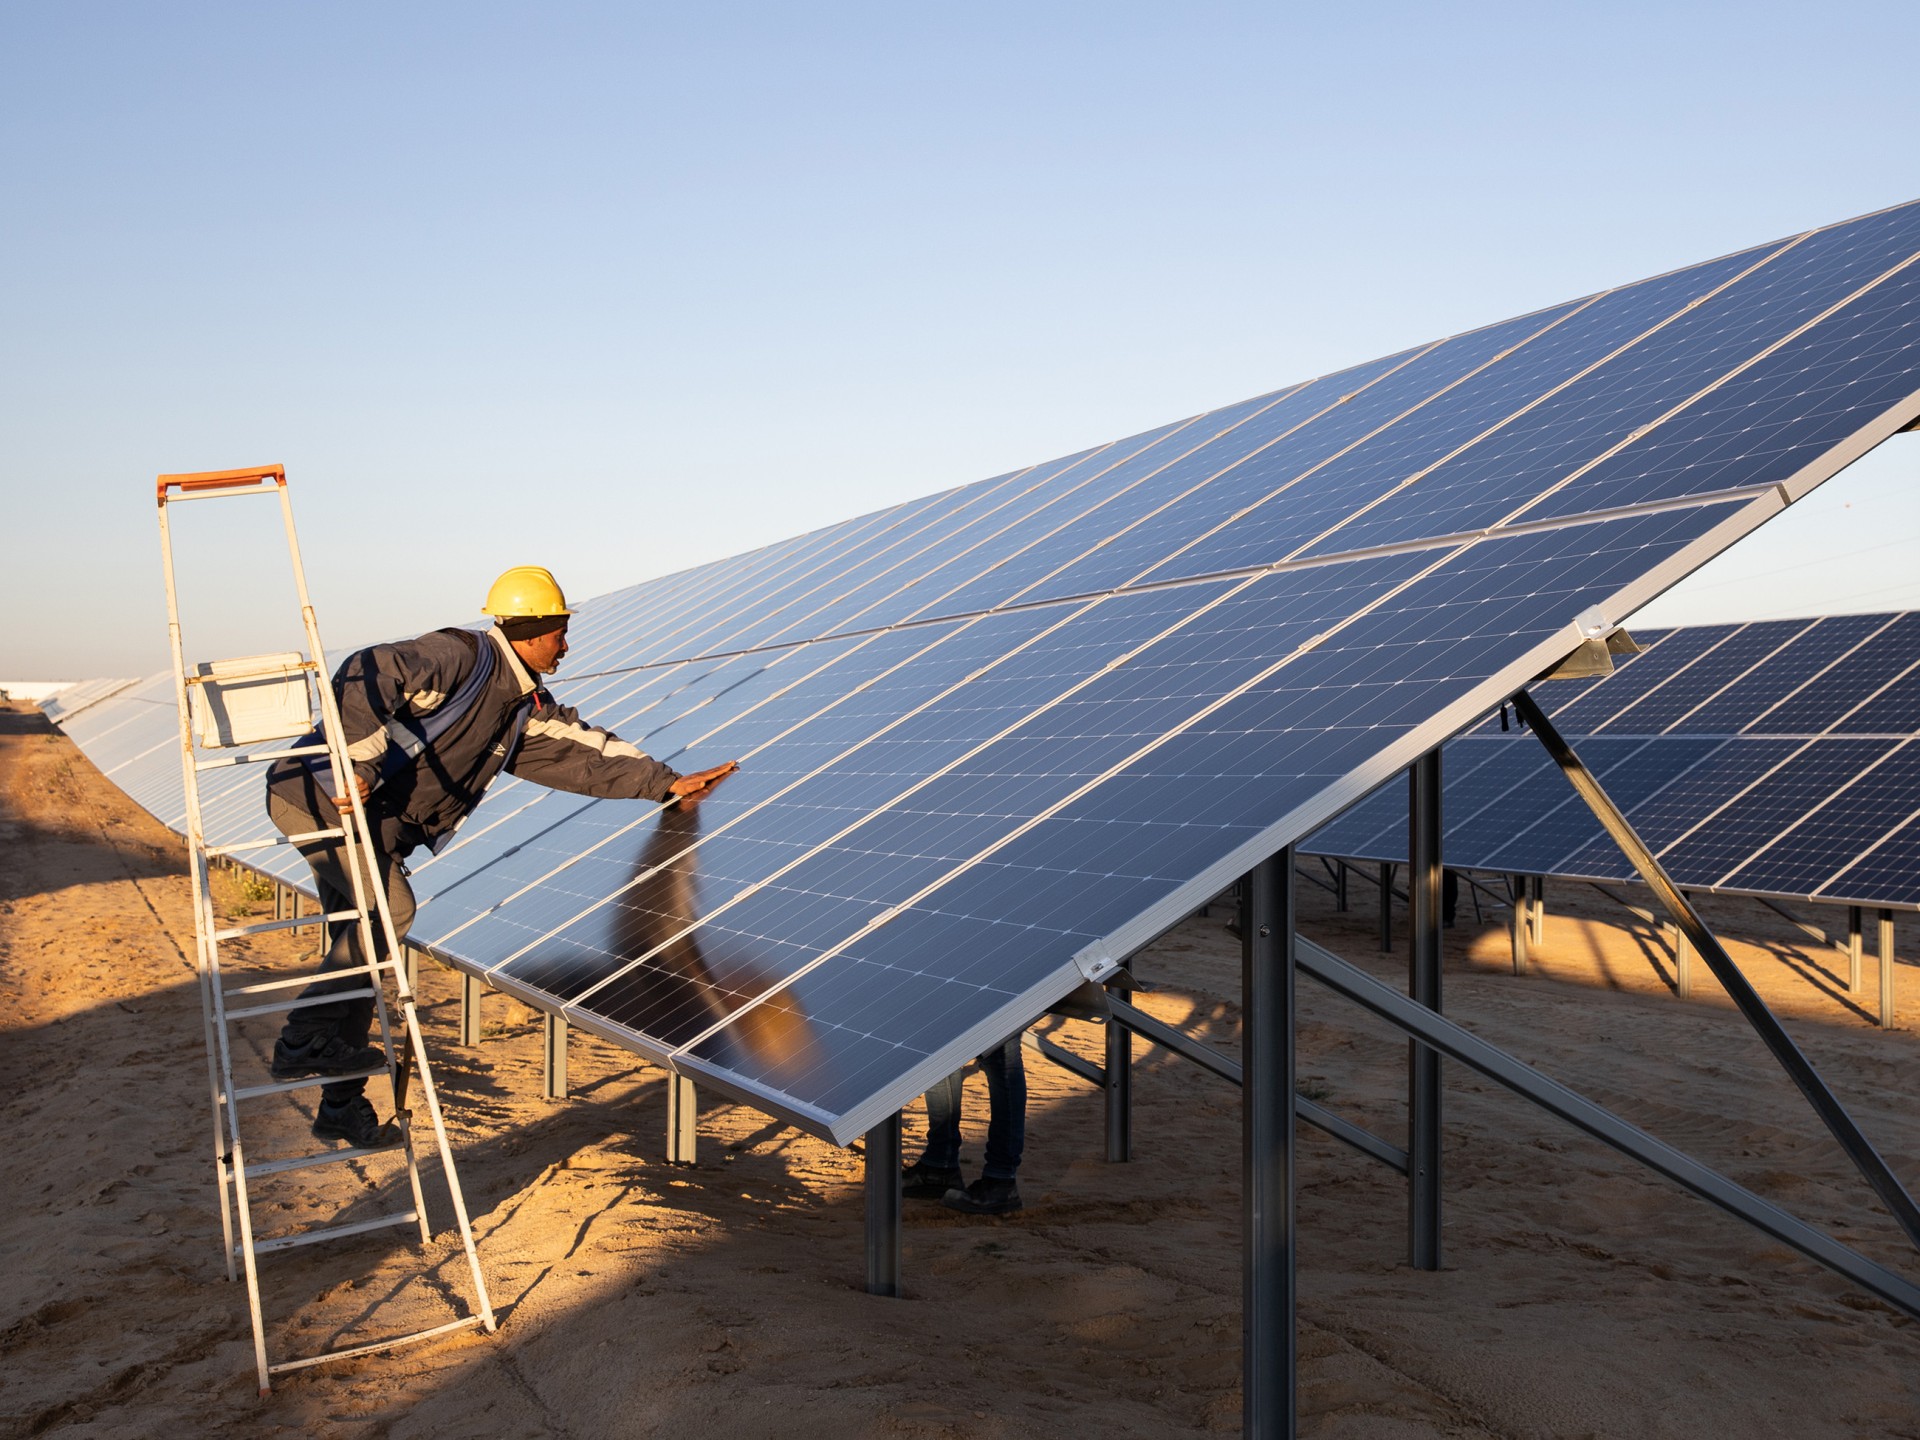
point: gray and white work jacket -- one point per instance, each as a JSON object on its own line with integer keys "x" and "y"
{"x": 430, "y": 722}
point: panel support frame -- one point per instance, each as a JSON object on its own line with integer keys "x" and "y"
{"x": 1840, "y": 1124}
{"x": 1269, "y": 1350}
{"x": 883, "y": 1207}
{"x": 1424, "y": 883}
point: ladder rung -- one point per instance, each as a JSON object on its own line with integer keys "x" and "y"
{"x": 300, "y": 839}
{"x": 267, "y": 926}
{"x": 324, "y": 1157}
{"x": 354, "y": 1350}
{"x": 294, "y": 1002}
{"x": 331, "y": 1232}
{"x": 258, "y": 756}
{"x": 279, "y": 1087}
{"x": 261, "y": 987}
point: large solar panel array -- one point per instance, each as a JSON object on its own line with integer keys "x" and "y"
{"x": 1779, "y": 759}
{"x": 995, "y": 739}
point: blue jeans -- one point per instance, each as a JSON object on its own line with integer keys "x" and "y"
{"x": 1006, "y": 1114}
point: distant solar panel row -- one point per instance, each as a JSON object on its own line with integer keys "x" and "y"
{"x": 995, "y": 739}
{"x": 1779, "y": 759}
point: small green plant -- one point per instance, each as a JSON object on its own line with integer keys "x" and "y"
{"x": 252, "y": 888}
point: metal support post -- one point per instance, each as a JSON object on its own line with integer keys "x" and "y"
{"x": 683, "y": 1117}
{"x": 1268, "y": 1355}
{"x": 1340, "y": 886}
{"x": 1886, "y": 969}
{"x": 411, "y": 958}
{"x": 883, "y": 1207}
{"x": 1682, "y": 964}
{"x": 1537, "y": 908}
{"x": 1853, "y": 949}
{"x": 1423, "y": 986}
{"x": 1117, "y": 1081}
{"x": 1860, "y": 1150}
{"x": 1386, "y": 907}
{"x": 1517, "y": 887}
{"x": 470, "y": 992}
{"x": 554, "y": 1053}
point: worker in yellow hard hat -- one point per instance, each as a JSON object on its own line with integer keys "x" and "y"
{"x": 429, "y": 723}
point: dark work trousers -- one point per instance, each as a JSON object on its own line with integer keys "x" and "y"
{"x": 1006, "y": 1074}
{"x": 351, "y": 1020}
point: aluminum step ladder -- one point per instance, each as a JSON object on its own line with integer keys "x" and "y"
{"x": 243, "y": 706}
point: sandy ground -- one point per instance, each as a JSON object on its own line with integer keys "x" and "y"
{"x": 1581, "y": 1296}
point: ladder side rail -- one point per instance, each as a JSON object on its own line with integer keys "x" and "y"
{"x": 201, "y": 959}
{"x": 336, "y": 739}
{"x": 231, "y": 1161}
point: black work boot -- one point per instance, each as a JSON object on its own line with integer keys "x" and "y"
{"x": 324, "y": 1054}
{"x": 984, "y": 1197}
{"x": 921, "y": 1181}
{"x": 356, "y": 1122}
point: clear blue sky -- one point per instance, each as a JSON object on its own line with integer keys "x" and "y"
{"x": 619, "y": 288}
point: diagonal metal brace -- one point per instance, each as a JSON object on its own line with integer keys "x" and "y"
{"x": 1470, "y": 1050}
{"x": 1825, "y": 1103}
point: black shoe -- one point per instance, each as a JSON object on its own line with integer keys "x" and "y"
{"x": 921, "y": 1181}
{"x": 984, "y": 1197}
{"x": 324, "y": 1055}
{"x": 357, "y": 1123}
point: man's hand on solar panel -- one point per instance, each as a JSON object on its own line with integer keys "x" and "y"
{"x": 691, "y": 788}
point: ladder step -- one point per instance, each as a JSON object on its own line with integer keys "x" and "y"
{"x": 330, "y": 1232}
{"x": 259, "y": 755}
{"x": 261, "y": 987}
{"x": 280, "y": 1087}
{"x": 354, "y": 1350}
{"x": 216, "y": 850}
{"x": 322, "y": 1157}
{"x": 294, "y": 1002}
{"x": 268, "y": 926}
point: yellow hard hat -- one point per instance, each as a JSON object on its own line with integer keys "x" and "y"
{"x": 525, "y": 591}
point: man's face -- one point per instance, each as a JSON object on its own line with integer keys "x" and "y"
{"x": 543, "y": 653}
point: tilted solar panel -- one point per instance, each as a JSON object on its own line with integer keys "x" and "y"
{"x": 995, "y": 739}
{"x": 1718, "y": 774}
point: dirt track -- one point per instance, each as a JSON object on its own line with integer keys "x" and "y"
{"x": 1581, "y": 1296}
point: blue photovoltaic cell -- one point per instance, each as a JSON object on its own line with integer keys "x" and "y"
{"x": 1815, "y": 847}
{"x": 1631, "y": 774}
{"x": 1787, "y": 408}
{"x": 980, "y": 578}
{"x": 1062, "y": 703}
{"x": 1888, "y": 869}
{"x": 1671, "y": 706}
{"x": 1488, "y": 412}
{"x": 1670, "y": 367}
{"x": 1688, "y": 801}
{"x": 1796, "y": 663}
{"x": 1778, "y": 799}
{"x": 1376, "y": 829}
{"x": 904, "y": 589}
{"x": 1346, "y": 454}
{"x": 1890, "y": 711}
{"x": 1820, "y": 704}
{"x": 1039, "y": 573}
